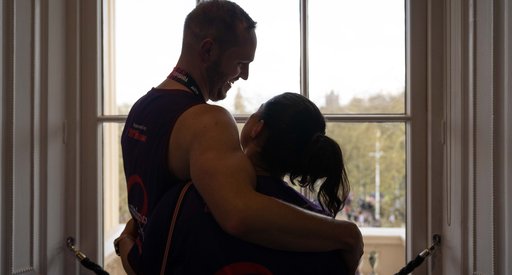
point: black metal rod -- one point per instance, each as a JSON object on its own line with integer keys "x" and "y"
{"x": 84, "y": 260}
{"x": 421, "y": 257}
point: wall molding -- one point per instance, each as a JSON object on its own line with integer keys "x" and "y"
{"x": 21, "y": 159}
{"x": 7, "y": 134}
{"x": 502, "y": 26}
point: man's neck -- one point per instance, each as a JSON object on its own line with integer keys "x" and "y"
{"x": 169, "y": 84}
{"x": 196, "y": 75}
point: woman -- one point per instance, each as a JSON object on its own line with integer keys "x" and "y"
{"x": 284, "y": 138}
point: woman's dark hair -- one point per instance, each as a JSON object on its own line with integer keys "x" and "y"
{"x": 220, "y": 20}
{"x": 296, "y": 145}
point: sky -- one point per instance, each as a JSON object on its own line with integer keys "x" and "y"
{"x": 356, "y": 48}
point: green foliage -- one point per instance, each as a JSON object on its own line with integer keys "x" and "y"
{"x": 358, "y": 142}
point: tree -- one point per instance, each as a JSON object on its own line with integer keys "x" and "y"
{"x": 357, "y": 141}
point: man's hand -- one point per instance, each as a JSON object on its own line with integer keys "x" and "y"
{"x": 352, "y": 257}
{"x": 351, "y": 261}
{"x": 125, "y": 242}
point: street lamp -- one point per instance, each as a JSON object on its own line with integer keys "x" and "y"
{"x": 377, "y": 154}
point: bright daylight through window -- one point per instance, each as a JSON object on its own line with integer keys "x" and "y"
{"x": 348, "y": 57}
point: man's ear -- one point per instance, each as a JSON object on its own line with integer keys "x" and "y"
{"x": 207, "y": 50}
{"x": 256, "y": 130}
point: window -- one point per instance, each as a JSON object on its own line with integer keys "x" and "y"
{"x": 137, "y": 56}
{"x": 354, "y": 59}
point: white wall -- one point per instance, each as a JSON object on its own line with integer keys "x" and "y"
{"x": 473, "y": 197}
{"x": 34, "y": 210}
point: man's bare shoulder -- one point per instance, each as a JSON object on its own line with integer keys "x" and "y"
{"x": 206, "y": 116}
{"x": 208, "y": 110}
{"x": 201, "y": 131}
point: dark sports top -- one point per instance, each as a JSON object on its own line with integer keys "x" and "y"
{"x": 144, "y": 142}
{"x": 200, "y": 246}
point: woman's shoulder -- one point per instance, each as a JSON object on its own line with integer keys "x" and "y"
{"x": 280, "y": 189}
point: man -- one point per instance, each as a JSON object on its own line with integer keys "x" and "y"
{"x": 202, "y": 145}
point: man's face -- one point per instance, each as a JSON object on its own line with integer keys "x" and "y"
{"x": 230, "y": 66}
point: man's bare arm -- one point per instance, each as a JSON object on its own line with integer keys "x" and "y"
{"x": 225, "y": 178}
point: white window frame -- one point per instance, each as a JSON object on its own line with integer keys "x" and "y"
{"x": 416, "y": 117}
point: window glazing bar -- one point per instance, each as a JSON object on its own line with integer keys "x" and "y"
{"x": 304, "y": 60}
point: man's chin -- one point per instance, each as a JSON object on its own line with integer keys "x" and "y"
{"x": 218, "y": 97}
{"x": 221, "y": 94}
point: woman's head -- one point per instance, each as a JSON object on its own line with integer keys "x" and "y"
{"x": 292, "y": 141}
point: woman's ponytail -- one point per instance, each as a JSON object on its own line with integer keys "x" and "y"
{"x": 322, "y": 161}
{"x": 296, "y": 145}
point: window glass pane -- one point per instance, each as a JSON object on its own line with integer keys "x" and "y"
{"x": 142, "y": 44}
{"x": 276, "y": 67}
{"x": 115, "y": 207}
{"x": 356, "y": 50}
{"x": 374, "y": 155}
{"x": 375, "y": 159}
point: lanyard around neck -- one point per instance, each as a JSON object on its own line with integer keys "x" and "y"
{"x": 181, "y": 76}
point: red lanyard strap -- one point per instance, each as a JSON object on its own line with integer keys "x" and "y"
{"x": 183, "y": 77}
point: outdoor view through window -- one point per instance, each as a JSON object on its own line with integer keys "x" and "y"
{"x": 348, "y": 57}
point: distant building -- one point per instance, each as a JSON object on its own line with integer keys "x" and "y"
{"x": 332, "y": 102}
